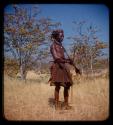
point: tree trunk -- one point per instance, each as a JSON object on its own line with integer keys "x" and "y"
{"x": 91, "y": 65}
{"x": 23, "y": 72}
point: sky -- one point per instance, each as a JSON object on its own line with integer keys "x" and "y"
{"x": 93, "y": 14}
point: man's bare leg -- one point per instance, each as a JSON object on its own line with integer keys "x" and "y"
{"x": 66, "y": 97}
{"x": 57, "y": 105}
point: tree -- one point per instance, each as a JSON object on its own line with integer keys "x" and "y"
{"x": 24, "y": 33}
{"x": 87, "y": 47}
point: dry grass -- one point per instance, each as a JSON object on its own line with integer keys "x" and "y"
{"x": 34, "y": 100}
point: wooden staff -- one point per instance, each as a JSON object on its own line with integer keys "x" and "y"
{"x": 72, "y": 63}
{"x": 76, "y": 70}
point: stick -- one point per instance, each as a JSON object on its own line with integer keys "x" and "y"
{"x": 76, "y": 69}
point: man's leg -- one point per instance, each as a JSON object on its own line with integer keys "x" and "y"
{"x": 57, "y": 88}
{"x": 66, "y": 97}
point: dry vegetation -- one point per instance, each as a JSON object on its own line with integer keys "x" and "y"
{"x": 33, "y": 100}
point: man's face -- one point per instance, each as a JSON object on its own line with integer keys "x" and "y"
{"x": 60, "y": 37}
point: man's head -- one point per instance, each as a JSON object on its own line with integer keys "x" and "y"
{"x": 58, "y": 35}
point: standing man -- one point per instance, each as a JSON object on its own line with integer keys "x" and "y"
{"x": 60, "y": 75}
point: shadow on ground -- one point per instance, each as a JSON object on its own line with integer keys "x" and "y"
{"x": 51, "y": 102}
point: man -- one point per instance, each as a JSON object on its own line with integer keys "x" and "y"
{"x": 60, "y": 75}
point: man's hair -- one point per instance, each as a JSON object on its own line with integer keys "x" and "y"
{"x": 55, "y": 33}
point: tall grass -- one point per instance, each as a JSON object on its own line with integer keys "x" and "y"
{"x": 34, "y": 100}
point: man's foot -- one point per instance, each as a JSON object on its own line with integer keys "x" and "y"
{"x": 67, "y": 107}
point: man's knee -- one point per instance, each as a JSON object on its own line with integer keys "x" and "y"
{"x": 57, "y": 88}
{"x": 66, "y": 88}
{"x": 66, "y": 91}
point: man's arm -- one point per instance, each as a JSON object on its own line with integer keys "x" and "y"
{"x": 76, "y": 69}
{"x": 70, "y": 61}
{"x": 56, "y": 55}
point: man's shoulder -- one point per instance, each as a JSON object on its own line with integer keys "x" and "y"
{"x": 53, "y": 44}
{"x": 56, "y": 45}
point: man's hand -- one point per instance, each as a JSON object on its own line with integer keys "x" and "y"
{"x": 71, "y": 63}
{"x": 77, "y": 71}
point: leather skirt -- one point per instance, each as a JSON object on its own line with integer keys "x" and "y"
{"x": 60, "y": 75}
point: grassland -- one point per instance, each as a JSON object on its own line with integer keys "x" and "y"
{"x": 34, "y": 100}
